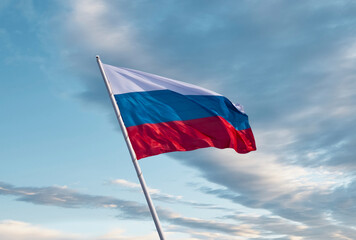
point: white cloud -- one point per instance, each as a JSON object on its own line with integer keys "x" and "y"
{"x": 266, "y": 177}
{"x": 135, "y": 186}
{"x": 118, "y": 234}
{"x": 156, "y": 194}
{"x": 16, "y": 230}
{"x": 68, "y": 198}
{"x": 126, "y": 183}
{"x": 211, "y": 226}
{"x": 94, "y": 23}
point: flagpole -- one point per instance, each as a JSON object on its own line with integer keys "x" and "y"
{"x": 132, "y": 153}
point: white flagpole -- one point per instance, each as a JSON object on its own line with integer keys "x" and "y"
{"x": 132, "y": 152}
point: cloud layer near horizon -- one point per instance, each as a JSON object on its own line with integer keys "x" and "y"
{"x": 68, "y": 198}
{"x": 16, "y": 230}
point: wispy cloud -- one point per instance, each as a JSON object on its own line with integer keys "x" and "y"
{"x": 212, "y": 226}
{"x": 249, "y": 226}
{"x": 16, "y": 230}
{"x": 156, "y": 194}
{"x": 118, "y": 234}
{"x": 314, "y": 198}
{"x": 67, "y": 198}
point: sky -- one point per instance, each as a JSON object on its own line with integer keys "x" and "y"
{"x": 66, "y": 173}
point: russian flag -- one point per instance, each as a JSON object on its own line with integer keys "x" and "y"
{"x": 163, "y": 115}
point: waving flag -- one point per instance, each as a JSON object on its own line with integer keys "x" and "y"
{"x": 164, "y": 115}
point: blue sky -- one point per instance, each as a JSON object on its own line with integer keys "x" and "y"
{"x": 66, "y": 173}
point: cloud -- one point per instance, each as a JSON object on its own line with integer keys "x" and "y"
{"x": 315, "y": 199}
{"x": 210, "y": 225}
{"x": 109, "y": 31}
{"x": 156, "y": 194}
{"x": 16, "y": 230}
{"x": 269, "y": 225}
{"x": 117, "y": 234}
{"x": 67, "y": 198}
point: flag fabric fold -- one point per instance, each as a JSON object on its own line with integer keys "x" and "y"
{"x": 163, "y": 115}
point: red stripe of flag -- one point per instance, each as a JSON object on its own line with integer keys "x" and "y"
{"x": 152, "y": 139}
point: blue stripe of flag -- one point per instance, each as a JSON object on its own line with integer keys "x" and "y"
{"x": 165, "y": 106}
